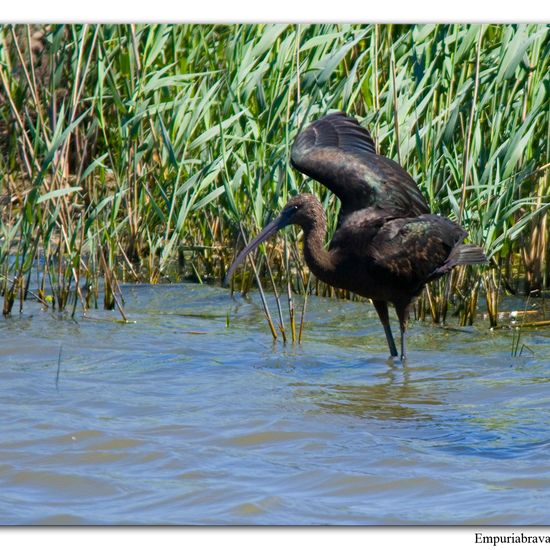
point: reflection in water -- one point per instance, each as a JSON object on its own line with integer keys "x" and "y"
{"x": 179, "y": 419}
{"x": 382, "y": 401}
{"x": 391, "y": 397}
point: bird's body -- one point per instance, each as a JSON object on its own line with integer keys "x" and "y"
{"x": 387, "y": 245}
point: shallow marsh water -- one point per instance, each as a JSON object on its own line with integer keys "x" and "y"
{"x": 180, "y": 419}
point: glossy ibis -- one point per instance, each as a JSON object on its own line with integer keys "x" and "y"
{"x": 387, "y": 246}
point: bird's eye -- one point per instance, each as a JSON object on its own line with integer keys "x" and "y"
{"x": 291, "y": 209}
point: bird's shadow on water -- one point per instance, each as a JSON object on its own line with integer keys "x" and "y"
{"x": 376, "y": 386}
{"x": 426, "y": 401}
{"x": 388, "y": 396}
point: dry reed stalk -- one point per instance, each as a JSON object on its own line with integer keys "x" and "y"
{"x": 260, "y": 290}
{"x": 303, "y": 313}
{"x": 491, "y": 295}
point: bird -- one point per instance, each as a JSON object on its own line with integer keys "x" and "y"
{"x": 387, "y": 245}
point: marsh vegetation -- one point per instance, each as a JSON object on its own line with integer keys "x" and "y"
{"x": 151, "y": 152}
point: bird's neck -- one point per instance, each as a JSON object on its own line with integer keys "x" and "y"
{"x": 318, "y": 259}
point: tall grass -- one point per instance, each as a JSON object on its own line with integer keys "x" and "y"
{"x": 145, "y": 152}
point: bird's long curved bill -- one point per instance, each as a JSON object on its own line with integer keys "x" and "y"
{"x": 265, "y": 233}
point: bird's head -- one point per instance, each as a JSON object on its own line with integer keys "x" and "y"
{"x": 299, "y": 210}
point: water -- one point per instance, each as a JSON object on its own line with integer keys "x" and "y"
{"x": 179, "y": 419}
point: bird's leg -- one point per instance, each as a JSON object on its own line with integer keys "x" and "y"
{"x": 382, "y": 310}
{"x": 403, "y": 315}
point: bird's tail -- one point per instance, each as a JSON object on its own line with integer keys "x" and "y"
{"x": 467, "y": 254}
{"x": 462, "y": 254}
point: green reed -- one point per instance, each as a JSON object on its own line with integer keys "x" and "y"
{"x": 140, "y": 152}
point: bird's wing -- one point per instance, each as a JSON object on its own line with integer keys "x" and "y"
{"x": 339, "y": 153}
{"x": 358, "y": 230}
{"x": 410, "y": 250}
{"x": 415, "y": 248}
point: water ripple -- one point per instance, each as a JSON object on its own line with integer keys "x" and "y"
{"x": 180, "y": 419}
